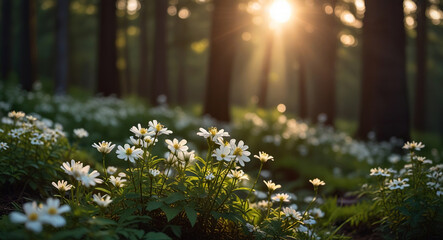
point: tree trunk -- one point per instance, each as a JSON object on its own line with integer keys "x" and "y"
{"x": 61, "y": 75}
{"x": 266, "y": 68}
{"x": 325, "y": 34}
{"x": 143, "y": 81}
{"x": 6, "y": 21}
{"x": 127, "y": 79}
{"x": 420, "y": 81}
{"x": 160, "y": 85}
{"x": 108, "y": 83}
{"x": 384, "y": 102}
{"x": 182, "y": 44}
{"x": 223, "y": 42}
{"x": 28, "y": 48}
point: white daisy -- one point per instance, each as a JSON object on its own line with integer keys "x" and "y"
{"x": 176, "y": 146}
{"x": 223, "y": 153}
{"x": 111, "y": 170}
{"x": 52, "y": 211}
{"x": 117, "y": 181}
{"x": 239, "y": 152}
{"x": 3, "y": 146}
{"x": 62, "y": 185}
{"x": 264, "y": 157}
{"x": 129, "y": 153}
{"x": 91, "y": 179}
{"x": 413, "y": 145}
{"x": 271, "y": 186}
{"x": 81, "y": 133}
{"x": 317, "y": 182}
{"x": 102, "y": 201}
{"x": 213, "y": 133}
{"x": 31, "y": 218}
{"x": 139, "y": 131}
{"x": 281, "y": 197}
{"x": 104, "y": 147}
{"x": 158, "y": 128}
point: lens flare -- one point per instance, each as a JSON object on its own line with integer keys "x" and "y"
{"x": 280, "y": 11}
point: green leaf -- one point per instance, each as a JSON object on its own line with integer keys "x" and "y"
{"x": 174, "y": 197}
{"x": 103, "y": 190}
{"x": 77, "y": 233}
{"x": 191, "y": 214}
{"x": 156, "y": 236}
{"x": 153, "y": 205}
{"x": 170, "y": 212}
{"x": 177, "y": 230}
{"x": 102, "y": 221}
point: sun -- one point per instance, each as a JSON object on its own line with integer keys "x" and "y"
{"x": 280, "y": 11}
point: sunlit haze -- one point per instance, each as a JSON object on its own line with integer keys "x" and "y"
{"x": 280, "y": 11}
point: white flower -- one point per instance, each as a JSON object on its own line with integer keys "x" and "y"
{"x": 16, "y": 115}
{"x": 129, "y": 153}
{"x": 186, "y": 157}
{"x": 111, "y": 170}
{"x": 413, "y": 146}
{"x": 317, "y": 182}
{"x": 317, "y": 212}
{"x": 310, "y": 221}
{"x": 157, "y": 128}
{"x": 117, "y": 181}
{"x": 75, "y": 169}
{"x": 3, "y": 146}
{"x": 223, "y": 153}
{"x": 213, "y": 133}
{"x": 139, "y": 131}
{"x": 154, "y": 172}
{"x": 379, "y": 172}
{"x": 264, "y": 157}
{"x": 36, "y": 141}
{"x": 394, "y": 158}
{"x": 209, "y": 177}
{"x": 291, "y": 213}
{"x": 62, "y": 185}
{"x": 148, "y": 141}
{"x": 102, "y": 201}
{"x": 398, "y": 184}
{"x": 52, "y": 211}
{"x": 176, "y": 146}
{"x": 239, "y": 152}
{"x": 271, "y": 186}
{"x": 91, "y": 179}
{"x": 238, "y": 174}
{"x": 281, "y": 197}
{"x": 81, "y": 133}
{"x": 31, "y": 218}
{"x": 104, "y": 147}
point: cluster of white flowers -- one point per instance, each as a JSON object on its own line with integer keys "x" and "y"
{"x": 398, "y": 184}
{"x": 381, "y": 172}
{"x": 82, "y": 174}
{"x": 36, "y": 215}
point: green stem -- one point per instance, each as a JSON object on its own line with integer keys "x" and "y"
{"x": 253, "y": 186}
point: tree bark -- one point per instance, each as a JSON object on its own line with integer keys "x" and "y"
{"x": 61, "y": 75}
{"x": 6, "y": 21}
{"x": 223, "y": 42}
{"x": 384, "y": 102}
{"x": 420, "y": 81}
{"x": 182, "y": 44}
{"x": 127, "y": 79}
{"x": 143, "y": 81}
{"x": 160, "y": 84}
{"x": 28, "y": 48}
{"x": 108, "y": 83}
{"x": 325, "y": 37}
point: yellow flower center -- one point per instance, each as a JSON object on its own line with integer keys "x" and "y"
{"x": 158, "y": 127}
{"x": 238, "y": 151}
{"x": 213, "y": 131}
{"x": 52, "y": 211}
{"x": 33, "y": 216}
{"x": 176, "y": 146}
{"x": 222, "y": 155}
{"x": 143, "y": 131}
{"x": 129, "y": 151}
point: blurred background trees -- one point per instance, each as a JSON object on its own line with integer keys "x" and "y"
{"x": 373, "y": 63}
